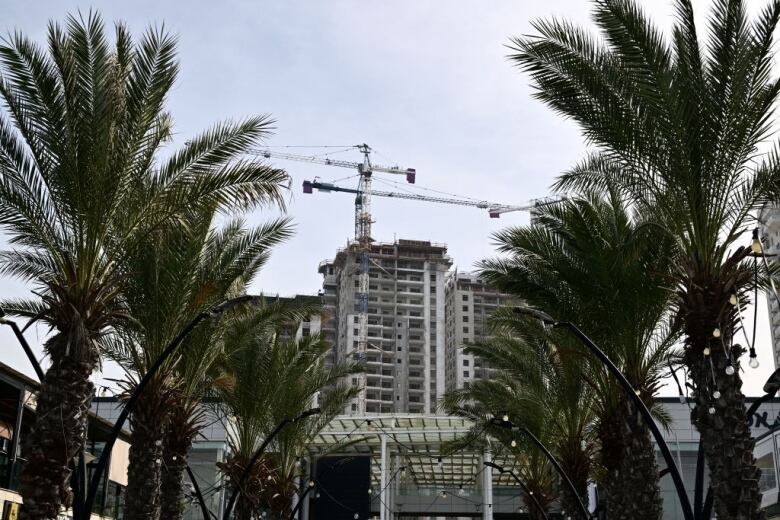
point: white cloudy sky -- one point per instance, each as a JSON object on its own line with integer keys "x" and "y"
{"x": 425, "y": 82}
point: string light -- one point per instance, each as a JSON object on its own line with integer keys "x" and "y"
{"x": 505, "y": 418}
{"x": 753, "y": 362}
{"x": 730, "y": 370}
{"x": 716, "y": 333}
{"x": 755, "y": 245}
{"x": 706, "y": 351}
{"x": 711, "y": 410}
{"x": 733, "y": 300}
{"x": 716, "y": 394}
{"x": 514, "y": 443}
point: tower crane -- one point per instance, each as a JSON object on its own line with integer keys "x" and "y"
{"x": 363, "y": 221}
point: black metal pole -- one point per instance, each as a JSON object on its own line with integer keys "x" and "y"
{"x": 539, "y": 444}
{"x": 23, "y": 342}
{"x": 298, "y": 506}
{"x": 631, "y": 393}
{"x": 248, "y": 469}
{"x": 100, "y": 468}
{"x": 522, "y": 485}
{"x": 202, "y": 501}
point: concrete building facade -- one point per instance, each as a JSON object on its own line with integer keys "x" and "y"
{"x": 406, "y": 336}
{"x": 770, "y": 227}
{"x": 469, "y": 304}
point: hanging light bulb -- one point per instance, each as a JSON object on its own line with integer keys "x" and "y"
{"x": 356, "y": 516}
{"x": 716, "y": 394}
{"x": 753, "y": 362}
{"x": 513, "y": 443}
{"x": 716, "y": 333}
{"x": 311, "y": 483}
{"x": 505, "y": 418}
{"x": 755, "y": 245}
{"x": 158, "y": 442}
{"x": 174, "y": 457}
{"x": 733, "y": 300}
{"x": 730, "y": 370}
{"x": 711, "y": 410}
{"x": 270, "y": 478}
{"x": 370, "y": 491}
{"x": 316, "y": 495}
{"x": 706, "y": 351}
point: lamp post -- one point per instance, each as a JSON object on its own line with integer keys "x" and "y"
{"x": 685, "y": 504}
{"x": 248, "y": 469}
{"x": 522, "y": 485}
{"x": 298, "y": 506}
{"x": 100, "y": 468}
{"x": 506, "y": 423}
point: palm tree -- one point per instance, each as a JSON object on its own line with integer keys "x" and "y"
{"x": 180, "y": 272}
{"x": 677, "y": 125}
{"x": 589, "y": 261}
{"x": 533, "y": 386}
{"x": 274, "y": 377}
{"x": 81, "y": 184}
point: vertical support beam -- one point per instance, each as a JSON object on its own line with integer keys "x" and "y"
{"x": 383, "y": 477}
{"x": 12, "y": 463}
{"x": 487, "y": 487}
{"x": 307, "y": 499}
{"x": 300, "y": 485}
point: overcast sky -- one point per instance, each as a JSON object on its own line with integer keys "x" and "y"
{"x": 426, "y": 83}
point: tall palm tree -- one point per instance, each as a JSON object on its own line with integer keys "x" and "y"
{"x": 677, "y": 125}
{"x": 82, "y": 182}
{"x": 534, "y": 386}
{"x": 588, "y": 260}
{"x": 274, "y": 377}
{"x": 180, "y": 272}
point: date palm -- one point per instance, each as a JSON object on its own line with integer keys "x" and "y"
{"x": 589, "y": 260}
{"x": 180, "y": 272}
{"x": 82, "y": 182}
{"x": 534, "y": 386}
{"x": 273, "y": 377}
{"x": 677, "y": 124}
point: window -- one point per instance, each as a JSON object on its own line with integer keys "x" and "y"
{"x": 465, "y": 297}
{"x": 354, "y": 319}
{"x": 465, "y": 362}
{"x": 465, "y": 308}
{"x": 400, "y": 337}
{"x": 354, "y": 407}
{"x": 465, "y": 319}
{"x": 355, "y": 332}
{"x": 465, "y": 373}
{"x": 466, "y": 330}
{"x": 398, "y": 360}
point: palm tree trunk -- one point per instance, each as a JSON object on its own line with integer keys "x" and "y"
{"x": 60, "y": 428}
{"x": 631, "y": 486}
{"x": 179, "y": 436}
{"x": 640, "y": 492}
{"x": 576, "y": 463}
{"x": 148, "y": 420}
{"x": 728, "y": 444}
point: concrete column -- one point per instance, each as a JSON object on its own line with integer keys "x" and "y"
{"x": 487, "y": 488}
{"x": 383, "y": 478}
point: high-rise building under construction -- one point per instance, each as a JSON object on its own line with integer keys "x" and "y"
{"x": 405, "y": 352}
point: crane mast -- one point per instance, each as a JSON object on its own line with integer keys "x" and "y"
{"x": 363, "y": 239}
